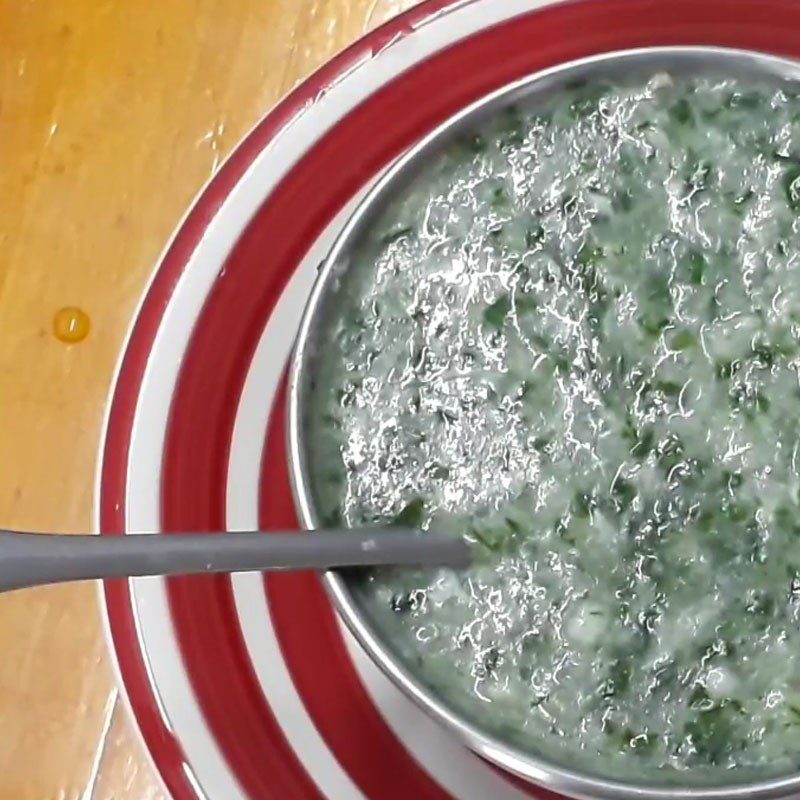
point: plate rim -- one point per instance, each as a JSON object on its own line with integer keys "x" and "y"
{"x": 147, "y": 297}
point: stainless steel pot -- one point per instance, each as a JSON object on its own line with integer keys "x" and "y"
{"x": 528, "y": 765}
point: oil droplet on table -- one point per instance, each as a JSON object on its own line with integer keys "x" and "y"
{"x": 71, "y": 325}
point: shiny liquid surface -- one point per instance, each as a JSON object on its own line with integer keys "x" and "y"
{"x": 576, "y": 338}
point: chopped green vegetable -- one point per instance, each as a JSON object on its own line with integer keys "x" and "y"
{"x": 513, "y": 128}
{"x": 622, "y": 201}
{"x": 396, "y": 234}
{"x": 712, "y": 732}
{"x": 624, "y": 494}
{"x": 525, "y": 303}
{"x": 477, "y": 143}
{"x": 653, "y": 324}
{"x": 402, "y": 603}
{"x": 681, "y": 112}
{"x": 500, "y": 198}
{"x": 698, "y": 266}
{"x": 724, "y": 370}
{"x": 682, "y": 340}
{"x": 643, "y": 443}
{"x": 669, "y": 388}
{"x": 534, "y": 237}
{"x": 618, "y": 680}
{"x": 411, "y": 515}
{"x": 495, "y": 314}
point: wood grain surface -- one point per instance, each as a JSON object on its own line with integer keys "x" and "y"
{"x": 113, "y": 113}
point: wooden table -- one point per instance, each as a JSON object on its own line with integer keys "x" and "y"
{"x": 113, "y": 113}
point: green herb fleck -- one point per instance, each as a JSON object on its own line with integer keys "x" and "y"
{"x": 622, "y": 201}
{"x": 476, "y": 143}
{"x": 642, "y": 743}
{"x": 624, "y": 494}
{"x": 395, "y": 235}
{"x": 681, "y": 112}
{"x": 489, "y": 662}
{"x": 762, "y": 604}
{"x": 741, "y": 200}
{"x": 582, "y": 505}
{"x": 534, "y": 237}
{"x": 411, "y": 515}
{"x": 494, "y": 538}
{"x": 724, "y": 370}
{"x": 402, "y": 603}
{"x": 644, "y": 443}
{"x": 617, "y": 681}
{"x": 513, "y": 133}
{"x": 541, "y": 443}
{"x": 495, "y": 315}
{"x": 525, "y": 303}
{"x": 669, "y": 388}
{"x": 712, "y": 732}
{"x": 682, "y": 340}
{"x": 500, "y": 198}
{"x": 440, "y": 473}
{"x": 496, "y": 231}
{"x": 333, "y": 519}
{"x": 590, "y": 255}
{"x": 653, "y": 324}
{"x": 697, "y": 268}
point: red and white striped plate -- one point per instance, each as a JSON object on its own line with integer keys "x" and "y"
{"x": 248, "y": 687}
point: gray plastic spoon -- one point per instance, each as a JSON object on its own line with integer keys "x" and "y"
{"x": 33, "y": 559}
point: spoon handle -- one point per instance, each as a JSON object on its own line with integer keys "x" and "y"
{"x": 32, "y": 559}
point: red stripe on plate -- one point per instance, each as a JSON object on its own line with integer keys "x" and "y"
{"x": 277, "y": 773}
{"x": 317, "y": 658}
